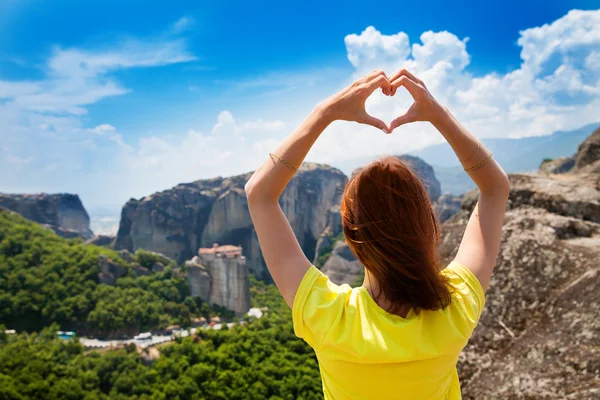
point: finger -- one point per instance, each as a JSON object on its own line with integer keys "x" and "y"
{"x": 405, "y": 72}
{"x": 407, "y": 118}
{"x": 387, "y": 90}
{"x": 380, "y": 81}
{"x": 369, "y": 77}
{"x": 413, "y": 88}
{"x": 373, "y": 74}
{"x": 376, "y": 122}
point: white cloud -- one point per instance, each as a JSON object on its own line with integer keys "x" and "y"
{"x": 44, "y": 143}
{"x": 371, "y": 49}
{"x": 157, "y": 162}
{"x": 556, "y": 87}
{"x": 440, "y": 47}
{"x": 103, "y": 129}
{"x": 182, "y": 24}
{"x": 13, "y": 89}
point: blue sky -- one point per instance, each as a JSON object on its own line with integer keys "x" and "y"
{"x": 118, "y": 99}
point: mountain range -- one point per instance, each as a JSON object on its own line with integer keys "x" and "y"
{"x": 515, "y": 155}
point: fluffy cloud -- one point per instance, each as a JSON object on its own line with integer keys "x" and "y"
{"x": 228, "y": 149}
{"x": 557, "y": 86}
{"x": 47, "y": 146}
{"x": 44, "y": 143}
{"x": 371, "y": 49}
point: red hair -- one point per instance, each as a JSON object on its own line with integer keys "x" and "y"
{"x": 391, "y": 227}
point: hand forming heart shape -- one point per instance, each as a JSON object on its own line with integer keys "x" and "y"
{"x": 349, "y": 103}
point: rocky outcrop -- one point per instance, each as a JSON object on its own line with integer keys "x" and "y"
{"x": 221, "y": 280}
{"x": 327, "y": 239}
{"x": 426, "y": 175}
{"x": 63, "y": 213}
{"x": 446, "y": 206}
{"x": 557, "y": 166}
{"x": 102, "y": 240}
{"x": 589, "y": 151}
{"x": 539, "y": 335}
{"x": 198, "y": 278}
{"x": 109, "y": 271}
{"x": 178, "y": 221}
{"x": 342, "y": 266}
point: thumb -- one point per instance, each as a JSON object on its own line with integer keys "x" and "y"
{"x": 407, "y": 118}
{"x": 376, "y": 122}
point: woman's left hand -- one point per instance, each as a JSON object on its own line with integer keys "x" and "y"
{"x": 349, "y": 103}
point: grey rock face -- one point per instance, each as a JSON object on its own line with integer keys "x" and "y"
{"x": 140, "y": 271}
{"x": 447, "y": 205}
{"x": 343, "y": 267}
{"x": 109, "y": 271}
{"x": 199, "y": 280}
{"x": 589, "y": 151}
{"x": 557, "y": 166}
{"x": 426, "y": 175}
{"x": 126, "y": 255}
{"x": 539, "y": 335}
{"x": 220, "y": 280}
{"x": 158, "y": 267}
{"x": 333, "y": 228}
{"x": 102, "y": 240}
{"x": 178, "y": 221}
{"x": 63, "y": 213}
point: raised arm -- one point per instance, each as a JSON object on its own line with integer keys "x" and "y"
{"x": 479, "y": 248}
{"x": 282, "y": 253}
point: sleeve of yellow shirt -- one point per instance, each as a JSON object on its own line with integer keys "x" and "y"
{"x": 317, "y": 305}
{"x": 468, "y": 295}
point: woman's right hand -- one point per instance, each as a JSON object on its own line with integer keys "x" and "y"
{"x": 425, "y": 106}
{"x": 349, "y": 103}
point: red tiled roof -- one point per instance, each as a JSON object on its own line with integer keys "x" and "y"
{"x": 228, "y": 248}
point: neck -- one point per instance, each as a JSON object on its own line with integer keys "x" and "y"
{"x": 374, "y": 289}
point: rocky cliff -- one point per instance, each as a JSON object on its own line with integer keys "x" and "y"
{"x": 446, "y": 206}
{"x": 343, "y": 267}
{"x": 539, "y": 335}
{"x": 426, "y": 175}
{"x": 178, "y": 221}
{"x": 63, "y": 213}
{"x": 220, "y": 280}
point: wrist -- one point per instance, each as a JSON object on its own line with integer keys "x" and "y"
{"x": 323, "y": 113}
{"x": 441, "y": 116}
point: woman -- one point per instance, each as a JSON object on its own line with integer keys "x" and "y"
{"x": 398, "y": 336}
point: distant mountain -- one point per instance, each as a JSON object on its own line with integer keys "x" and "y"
{"x": 515, "y": 155}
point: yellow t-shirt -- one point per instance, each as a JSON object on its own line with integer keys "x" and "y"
{"x": 365, "y": 352}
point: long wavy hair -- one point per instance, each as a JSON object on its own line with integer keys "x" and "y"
{"x": 391, "y": 227}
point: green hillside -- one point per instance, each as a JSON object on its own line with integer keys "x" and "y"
{"x": 46, "y": 279}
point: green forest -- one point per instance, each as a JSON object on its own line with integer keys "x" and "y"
{"x": 46, "y": 279}
{"x": 49, "y": 283}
